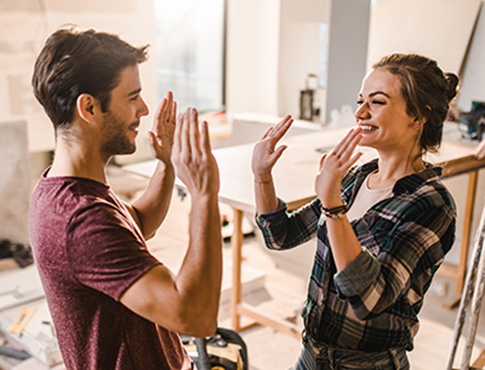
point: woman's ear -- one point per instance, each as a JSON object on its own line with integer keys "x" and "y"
{"x": 415, "y": 124}
{"x": 85, "y": 107}
{"x": 418, "y": 122}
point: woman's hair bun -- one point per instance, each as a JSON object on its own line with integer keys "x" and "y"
{"x": 452, "y": 85}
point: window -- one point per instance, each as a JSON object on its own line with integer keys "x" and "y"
{"x": 190, "y": 52}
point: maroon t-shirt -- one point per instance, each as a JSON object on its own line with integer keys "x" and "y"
{"x": 89, "y": 251}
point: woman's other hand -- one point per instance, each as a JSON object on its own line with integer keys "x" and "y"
{"x": 333, "y": 166}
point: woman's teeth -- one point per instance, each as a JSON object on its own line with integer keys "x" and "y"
{"x": 368, "y": 128}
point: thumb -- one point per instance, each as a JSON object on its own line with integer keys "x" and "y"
{"x": 322, "y": 161}
{"x": 151, "y": 137}
{"x": 279, "y": 151}
{"x": 277, "y": 154}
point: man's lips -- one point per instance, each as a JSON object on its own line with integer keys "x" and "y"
{"x": 134, "y": 126}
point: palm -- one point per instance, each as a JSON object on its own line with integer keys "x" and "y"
{"x": 333, "y": 167}
{"x": 265, "y": 153}
{"x": 163, "y": 129}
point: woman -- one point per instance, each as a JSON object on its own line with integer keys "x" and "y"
{"x": 383, "y": 228}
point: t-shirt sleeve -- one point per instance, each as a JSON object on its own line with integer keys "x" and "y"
{"x": 105, "y": 251}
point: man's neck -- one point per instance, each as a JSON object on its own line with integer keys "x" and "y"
{"x": 73, "y": 158}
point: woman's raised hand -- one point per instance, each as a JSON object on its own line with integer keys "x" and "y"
{"x": 265, "y": 153}
{"x": 333, "y": 166}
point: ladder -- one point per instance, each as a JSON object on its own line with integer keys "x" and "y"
{"x": 474, "y": 290}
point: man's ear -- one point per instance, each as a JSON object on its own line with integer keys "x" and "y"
{"x": 86, "y": 107}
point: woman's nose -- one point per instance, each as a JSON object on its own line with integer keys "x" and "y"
{"x": 362, "y": 111}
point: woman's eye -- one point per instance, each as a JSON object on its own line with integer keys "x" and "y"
{"x": 377, "y": 102}
{"x": 360, "y": 102}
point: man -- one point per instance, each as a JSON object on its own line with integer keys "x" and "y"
{"x": 114, "y": 305}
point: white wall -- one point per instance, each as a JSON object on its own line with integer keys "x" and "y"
{"x": 347, "y": 53}
{"x": 473, "y": 82}
{"x": 298, "y": 51}
{"x": 14, "y": 182}
{"x": 25, "y": 26}
{"x": 272, "y": 45}
{"x": 252, "y": 56}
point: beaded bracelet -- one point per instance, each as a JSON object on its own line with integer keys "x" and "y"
{"x": 335, "y": 212}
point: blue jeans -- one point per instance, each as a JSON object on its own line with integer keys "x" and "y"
{"x": 318, "y": 357}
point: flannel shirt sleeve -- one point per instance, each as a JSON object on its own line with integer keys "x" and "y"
{"x": 285, "y": 230}
{"x": 415, "y": 247}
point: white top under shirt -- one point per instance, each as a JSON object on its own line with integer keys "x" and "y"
{"x": 366, "y": 198}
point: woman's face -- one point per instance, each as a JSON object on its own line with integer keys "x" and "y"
{"x": 382, "y": 115}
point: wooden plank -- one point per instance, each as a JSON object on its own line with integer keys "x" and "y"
{"x": 480, "y": 361}
{"x": 236, "y": 241}
{"x": 467, "y": 229}
{"x": 273, "y": 322}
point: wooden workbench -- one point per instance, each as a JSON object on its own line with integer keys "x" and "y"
{"x": 294, "y": 178}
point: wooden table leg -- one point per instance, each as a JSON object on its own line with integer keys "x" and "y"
{"x": 236, "y": 243}
{"x": 467, "y": 230}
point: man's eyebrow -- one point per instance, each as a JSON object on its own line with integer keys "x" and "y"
{"x": 134, "y": 92}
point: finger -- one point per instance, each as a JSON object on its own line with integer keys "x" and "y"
{"x": 354, "y": 159}
{"x": 185, "y": 132}
{"x": 278, "y": 153}
{"x": 267, "y": 133}
{"x": 282, "y": 127}
{"x": 158, "y": 116}
{"x": 153, "y": 138}
{"x": 284, "y": 122}
{"x": 205, "y": 139}
{"x": 321, "y": 161}
{"x": 168, "y": 110}
{"x": 194, "y": 132}
{"x": 174, "y": 112}
{"x": 349, "y": 149}
{"x": 177, "y": 140}
{"x": 344, "y": 143}
{"x": 152, "y": 141}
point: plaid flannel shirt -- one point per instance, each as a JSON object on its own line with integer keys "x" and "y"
{"x": 372, "y": 304}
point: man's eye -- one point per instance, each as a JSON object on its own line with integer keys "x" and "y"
{"x": 134, "y": 98}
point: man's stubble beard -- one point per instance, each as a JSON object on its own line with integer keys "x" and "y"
{"x": 115, "y": 135}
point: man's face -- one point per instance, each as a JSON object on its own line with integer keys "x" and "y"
{"x": 120, "y": 123}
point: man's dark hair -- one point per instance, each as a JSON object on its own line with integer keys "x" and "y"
{"x": 75, "y": 62}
